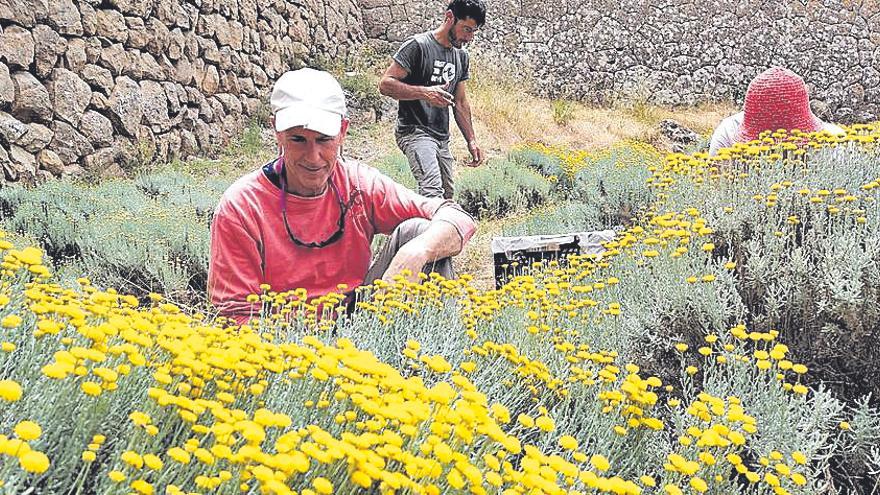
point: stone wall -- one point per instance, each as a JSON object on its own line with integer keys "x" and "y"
{"x": 90, "y": 85}
{"x": 671, "y": 51}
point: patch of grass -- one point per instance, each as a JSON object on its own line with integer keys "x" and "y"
{"x": 563, "y": 111}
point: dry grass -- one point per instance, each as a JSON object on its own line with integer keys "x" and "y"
{"x": 506, "y": 115}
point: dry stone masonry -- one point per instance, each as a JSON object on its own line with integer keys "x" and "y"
{"x": 671, "y": 51}
{"x": 90, "y": 85}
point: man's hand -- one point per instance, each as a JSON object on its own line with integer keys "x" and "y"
{"x": 437, "y": 96}
{"x": 411, "y": 256}
{"x": 476, "y": 155}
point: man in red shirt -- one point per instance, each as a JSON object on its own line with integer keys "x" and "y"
{"x": 307, "y": 219}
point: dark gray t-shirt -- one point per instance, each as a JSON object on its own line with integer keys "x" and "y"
{"x": 429, "y": 64}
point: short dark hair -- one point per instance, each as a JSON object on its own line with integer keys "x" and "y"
{"x": 475, "y": 9}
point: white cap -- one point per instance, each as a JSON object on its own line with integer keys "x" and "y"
{"x": 309, "y": 98}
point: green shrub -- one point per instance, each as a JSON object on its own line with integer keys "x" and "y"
{"x": 559, "y": 219}
{"x": 500, "y": 187}
{"x": 147, "y": 235}
{"x": 396, "y": 166}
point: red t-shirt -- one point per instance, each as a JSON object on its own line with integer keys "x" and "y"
{"x": 250, "y": 246}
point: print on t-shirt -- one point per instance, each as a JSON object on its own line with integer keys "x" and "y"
{"x": 444, "y": 72}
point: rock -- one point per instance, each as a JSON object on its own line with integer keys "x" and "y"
{"x": 115, "y": 58}
{"x": 188, "y": 143}
{"x": 680, "y": 136}
{"x": 111, "y": 25}
{"x": 73, "y": 170}
{"x": 98, "y": 77}
{"x": 69, "y": 94}
{"x": 11, "y": 129}
{"x": 64, "y": 17}
{"x": 27, "y": 161}
{"x": 36, "y": 138}
{"x": 229, "y": 83}
{"x": 8, "y": 173}
{"x": 94, "y": 50}
{"x": 48, "y": 45}
{"x": 183, "y": 71}
{"x": 820, "y": 109}
{"x": 140, "y": 8}
{"x": 246, "y": 86}
{"x": 17, "y": 47}
{"x": 155, "y": 104}
{"x": 231, "y": 104}
{"x": 101, "y": 164}
{"x": 89, "y": 18}
{"x": 31, "y": 101}
{"x": 50, "y": 161}
{"x": 24, "y": 12}
{"x": 231, "y": 36}
{"x": 142, "y": 65}
{"x": 97, "y": 128}
{"x": 75, "y": 56}
{"x": 159, "y": 40}
{"x": 138, "y": 36}
{"x": 69, "y": 143}
{"x": 126, "y": 106}
{"x": 209, "y": 82}
{"x": 7, "y": 88}
{"x": 100, "y": 102}
{"x": 176, "y": 42}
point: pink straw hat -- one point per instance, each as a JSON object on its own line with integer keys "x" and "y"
{"x": 776, "y": 99}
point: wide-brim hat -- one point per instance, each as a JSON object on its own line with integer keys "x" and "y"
{"x": 776, "y": 99}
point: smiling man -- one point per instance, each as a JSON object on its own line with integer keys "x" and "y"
{"x": 428, "y": 75}
{"x": 307, "y": 218}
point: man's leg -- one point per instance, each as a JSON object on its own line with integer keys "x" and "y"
{"x": 405, "y": 232}
{"x": 422, "y": 151}
{"x": 446, "y": 162}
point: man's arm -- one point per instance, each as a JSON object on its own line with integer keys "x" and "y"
{"x": 440, "y": 240}
{"x": 235, "y": 268}
{"x": 391, "y": 84}
{"x": 462, "y": 113}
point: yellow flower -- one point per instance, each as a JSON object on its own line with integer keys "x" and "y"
{"x": 34, "y": 462}
{"x": 153, "y": 462}
{"x": 671, "y": 489}
{"x": 525, "y": 420}
{"x": 545, "y": 423}
{"x": 698, "y": 484}
{"x": 322, "y": 486}
{"x": 88, "y": 456}
{"x": 681, "y": 347}
{"x": 28, "y": 430}
{"x": 568, "y": 442}
{"x": 10, "y": 391}
{"x": 799, "y": 457}
{"x": 179, "y": 455}
{"x": 142, "y": 487}
{"x": 10, "y": 321}
{"x": 91, "y": 388}
{"x": 844, "y": 425}
{"x": 116, "y": 476}
{"x": 600, "y": 462}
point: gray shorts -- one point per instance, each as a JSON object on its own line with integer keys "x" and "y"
{"x": 430, "y": 161}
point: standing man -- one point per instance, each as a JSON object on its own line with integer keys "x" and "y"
{"x": 427, "y": 76}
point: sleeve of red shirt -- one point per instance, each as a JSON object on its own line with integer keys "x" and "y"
{"x": 392, "y": 203}
{"x": 235, "y": 268}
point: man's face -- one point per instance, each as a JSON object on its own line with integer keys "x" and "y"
{"x": 309, "y": 158}
{"x": 462, "y": 32}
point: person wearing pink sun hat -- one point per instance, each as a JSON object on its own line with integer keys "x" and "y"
{"x": 776, "y": 99}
